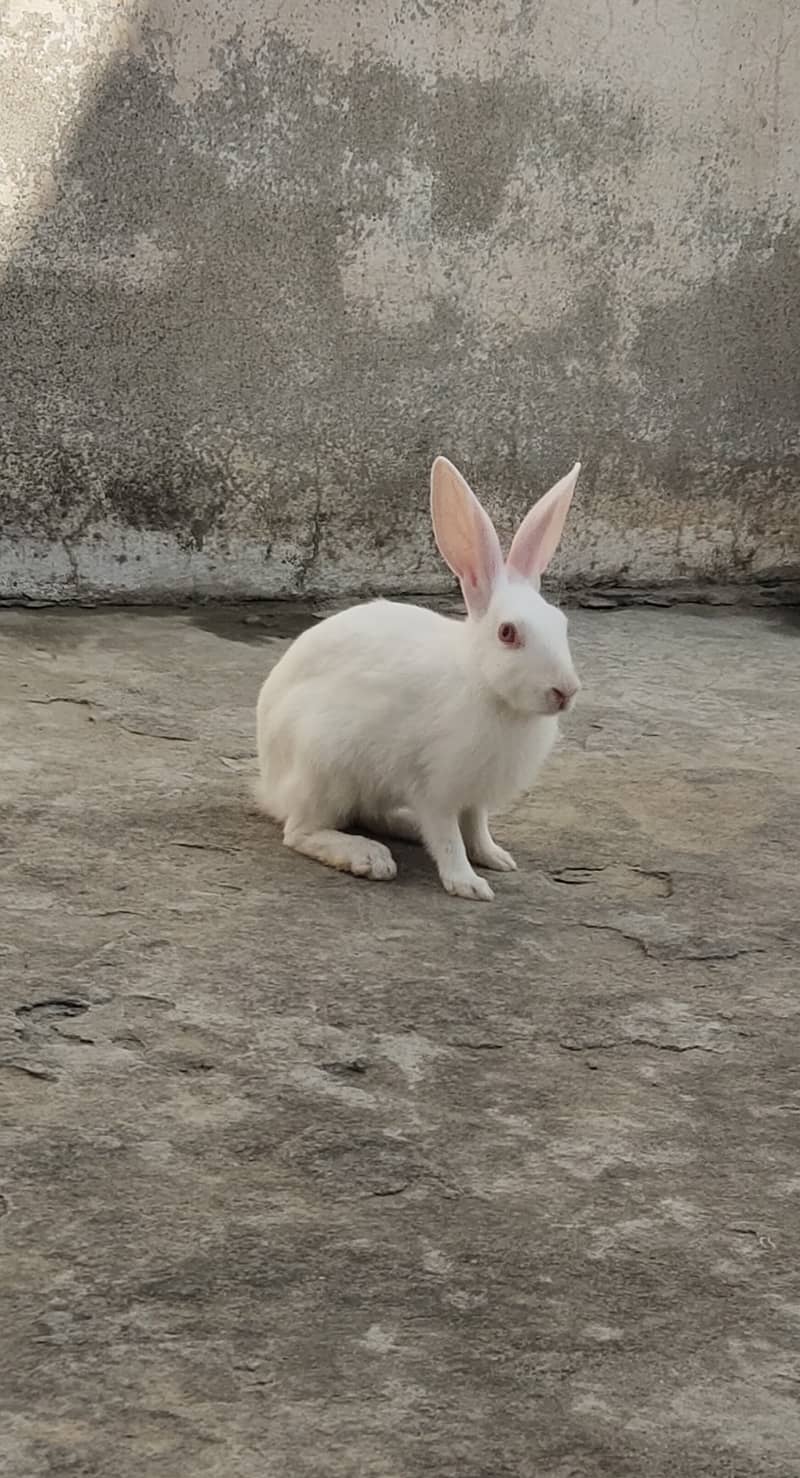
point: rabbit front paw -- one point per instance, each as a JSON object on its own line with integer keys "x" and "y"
{"x": 468, "y": 885}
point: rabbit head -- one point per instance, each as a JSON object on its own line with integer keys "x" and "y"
{"x": 519, "y": 639}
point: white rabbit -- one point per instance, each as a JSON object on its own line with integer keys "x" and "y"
{"x": 413, "y": 724}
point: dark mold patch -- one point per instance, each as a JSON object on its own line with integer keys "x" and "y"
{"x": 186, "y": 498}
{"x": 722, "y": 365}
{"x": 479, "y": 129}
{"x": 477, "y": 134}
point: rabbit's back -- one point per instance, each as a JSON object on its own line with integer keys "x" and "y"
{"x": 383, "y": 648}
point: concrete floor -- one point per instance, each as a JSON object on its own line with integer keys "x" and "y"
{"x": 305, "y": 1177}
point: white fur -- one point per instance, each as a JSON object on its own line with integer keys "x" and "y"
{"x": 414, "y": 724}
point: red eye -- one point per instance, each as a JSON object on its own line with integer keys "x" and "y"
{"x": 508, "y": 634}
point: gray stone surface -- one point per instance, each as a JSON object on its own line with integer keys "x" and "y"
{"x": 260, "y": 261}
{"x": 313, "y": 1177}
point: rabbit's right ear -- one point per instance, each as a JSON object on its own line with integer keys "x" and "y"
{"x": 536, "y": 539}
{"x": 465, "y": 535}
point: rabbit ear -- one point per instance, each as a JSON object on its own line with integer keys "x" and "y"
{"x": 536, "y": 539}
{"x": 465, "y": 535}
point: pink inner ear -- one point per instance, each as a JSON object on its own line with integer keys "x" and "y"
{"x": 539, "y": 534}
{"x": 465, "y": 535}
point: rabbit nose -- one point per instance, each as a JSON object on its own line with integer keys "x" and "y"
{"x": 562, "y": 697}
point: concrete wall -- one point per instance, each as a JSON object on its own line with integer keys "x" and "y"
{"x": 261, "y": 259}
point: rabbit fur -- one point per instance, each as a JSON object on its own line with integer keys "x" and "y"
{"x": 415, "y": 725}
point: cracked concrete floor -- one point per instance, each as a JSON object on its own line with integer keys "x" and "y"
{"x": 310, "y": 1177}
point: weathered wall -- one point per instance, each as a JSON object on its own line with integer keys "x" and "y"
{"x": 261, "y": 259}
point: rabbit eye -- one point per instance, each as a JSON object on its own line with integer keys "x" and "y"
{"x": 508, "y": 634}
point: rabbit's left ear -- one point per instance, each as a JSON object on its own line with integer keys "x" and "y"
{"x": 537, "y": 537}
{"x": 465, "y": 535}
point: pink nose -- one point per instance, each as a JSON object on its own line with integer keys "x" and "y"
{"x": 562, "y": 697}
